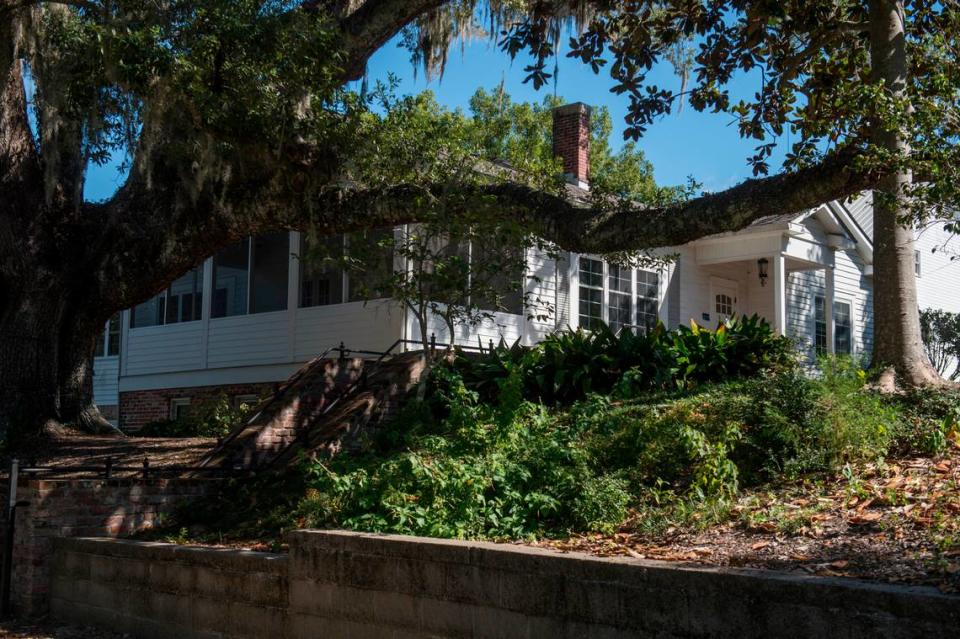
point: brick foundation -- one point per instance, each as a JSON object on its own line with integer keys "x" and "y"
{"x": 138, "y": 408}
{"x": 83, "y": 507}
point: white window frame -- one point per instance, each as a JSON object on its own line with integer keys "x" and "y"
{"x": 605, "y": 297}
{"x": 176, "y": 404}
{"x": 832, "y": 348}
{"x": 717, "y": 283}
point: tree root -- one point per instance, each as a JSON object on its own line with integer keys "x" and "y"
{"x": 92, "y": 422}
{"x": 890, "y": 382}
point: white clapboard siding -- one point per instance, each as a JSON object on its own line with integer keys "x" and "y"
{"x": 164, "y": 349}
{"x": 248, "y": 340}
{"x": 106, "y": 372}
{"x": 543, "y": 298}
{"x": 850, "y": 285}
{"x": 938, "y": 286}
{"x": 373, "y": 326}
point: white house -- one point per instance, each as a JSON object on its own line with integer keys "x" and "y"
{"x": 251, "y": 315}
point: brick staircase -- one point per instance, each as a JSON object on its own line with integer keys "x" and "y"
{"x": 323, "y": 406}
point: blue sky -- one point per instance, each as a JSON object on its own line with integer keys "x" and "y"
{"x": 688, "y": 143}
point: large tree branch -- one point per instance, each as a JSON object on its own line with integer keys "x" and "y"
{"x": 585, "y": 227}
{"x": 374, "y": 22}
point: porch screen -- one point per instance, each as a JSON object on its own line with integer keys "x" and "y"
{"x": 231, "y": 271}
{"x": 181, "y": 302}
{"x": 321, "y": 271}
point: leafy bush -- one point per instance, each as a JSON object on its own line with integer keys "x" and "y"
{"x": 211, "y": 418}
{"x": 569, "y": 365}
{"x": 458, "y": 465}
{"x": 931, "y": 417}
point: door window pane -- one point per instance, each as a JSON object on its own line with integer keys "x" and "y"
{"x": 321, "y": 274}
{"x": 271, "y": 265}
{"x": 230, "y": 271}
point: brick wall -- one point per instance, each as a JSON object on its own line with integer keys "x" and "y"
{"x": 83, "y": 507}
{"x": 571, "y": 140}
{"x": 341, "y": 584}
{"x": 140, "y": 407}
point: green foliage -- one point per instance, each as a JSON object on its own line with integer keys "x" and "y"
{"x": 459, "y": 465}
{"x": 932, "y": 417}
{"x": 482, "y": 461}
{"x": 569, "y": 365}
{"x": 940, "y": 331}
{"x": 215, "y": 417}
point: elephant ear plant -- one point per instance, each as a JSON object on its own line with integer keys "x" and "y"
{"x": 569, "y": 365}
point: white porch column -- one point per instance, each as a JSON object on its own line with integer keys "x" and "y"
{"x": 206, "y": 310}
{"x": 780, "y": 293}
{"x": 829, "y": 295}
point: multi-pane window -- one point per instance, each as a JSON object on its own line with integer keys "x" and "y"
{"x": 842, "y": 327}
{"x": 181, "y": 302}
{"x": 618, "y": 296}
{"x": 321, "y": 272}
{"x": 820, "y": 328}
{"x": 591, "y": 292}
{"x": 251, "y": 276}
{"x": 648, "y": 288}
{"x": 916, "y": 263}
{"x": 724, "y": 305}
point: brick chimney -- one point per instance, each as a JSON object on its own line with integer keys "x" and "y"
{"x": 571, "y": 141}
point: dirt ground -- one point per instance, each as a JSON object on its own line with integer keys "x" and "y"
{"x": 69, "y": 448}
{"x": 896, "y": 523}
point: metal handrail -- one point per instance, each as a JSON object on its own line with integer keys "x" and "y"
{"x": 344, "y": 352}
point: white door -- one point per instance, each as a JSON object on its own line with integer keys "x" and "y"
{"x": 724, "y": 299}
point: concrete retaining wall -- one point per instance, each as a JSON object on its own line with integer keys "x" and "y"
{"x": 83, "y": 508}
{"x": 337, "y": 584}
{"x": 163, "y": 590}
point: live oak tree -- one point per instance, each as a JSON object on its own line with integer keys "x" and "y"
{"x": 234, "y": 119}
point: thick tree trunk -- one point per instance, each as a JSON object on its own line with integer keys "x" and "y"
{"x": 898, "y": 347}
{"x": 46, "y": 371}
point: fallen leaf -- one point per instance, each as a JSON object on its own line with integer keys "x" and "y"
{"x": 759, "y": 545}
{"x": 839, "y": 564}
{"x": 865, "y": 518}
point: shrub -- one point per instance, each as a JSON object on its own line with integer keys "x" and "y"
{"x": 931, "y": 417}
{"x": 569, "y": 365}
{"x": 215, "y": 417}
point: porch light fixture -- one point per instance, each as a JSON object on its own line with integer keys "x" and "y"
{"x": 762, "y": 270}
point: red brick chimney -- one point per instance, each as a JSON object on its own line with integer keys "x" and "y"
{"x": 571, "y": 141}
